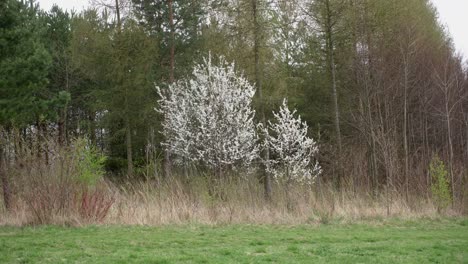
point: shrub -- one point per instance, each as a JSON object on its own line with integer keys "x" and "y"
{"x": 68, "y": 187}
{"x": 292, "y": 151}
{"x": 440, "y": 188}
{"x": 89, "y": 162}
{"x": 94, "y": 204}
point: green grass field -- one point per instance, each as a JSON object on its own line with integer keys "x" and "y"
{"x": 424, "y": 241}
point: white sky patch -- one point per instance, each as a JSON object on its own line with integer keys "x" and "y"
{"x": 453, "y": 14}
{"x": 77, "y": 5}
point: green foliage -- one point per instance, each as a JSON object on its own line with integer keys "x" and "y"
{"x": 440, "y": 187}
{"x": 188, "y": 16}
{"x": 29, "y": 92}
{"x": 90, "y": 164}
{"x": 56, "y": 38}
{"x": 116, "y": 91}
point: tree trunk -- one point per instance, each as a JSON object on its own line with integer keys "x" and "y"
{"x": 5, "y": 183}
{"x": 128, "y": 136}
{"x": 258, "y": 81}
{"x": 172, "y": 48}
{"x": 45, "y": 146}
{"x": 92, "y": 127}
{"x": 336, "y": 111}
{"x": 450, "y": 145}
{"x": 167, "y": 157}
{"x": 117, "y": 10}
{"x": 387, "y": 194}
{"x": 288, "y": 190}
{"x": 61, "y": 127}
{"x": 62, "y": 123}
{"x": 405, "y": 127}
{"x": 41, "y": 140}
{"x": 128, "y": 127}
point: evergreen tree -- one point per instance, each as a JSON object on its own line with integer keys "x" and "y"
{"x": 24, "y": 67}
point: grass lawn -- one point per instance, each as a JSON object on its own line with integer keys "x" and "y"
{"x": 424, "y": 241}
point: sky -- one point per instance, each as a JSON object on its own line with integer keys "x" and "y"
{"x": 78, "y": 5}
{"x": 452, "y": 14}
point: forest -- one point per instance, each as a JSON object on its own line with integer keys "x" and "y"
{"x": 230, "y": 111}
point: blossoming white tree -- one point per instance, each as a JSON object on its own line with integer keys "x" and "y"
{"x": 209, "y": 118}
{"x": 290, "y": 148}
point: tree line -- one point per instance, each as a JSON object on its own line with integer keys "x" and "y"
{"x": 378, "y": 81}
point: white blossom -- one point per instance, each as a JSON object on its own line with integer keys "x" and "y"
{"x": 209, "y": 118}
{"x": 291, "y": 151}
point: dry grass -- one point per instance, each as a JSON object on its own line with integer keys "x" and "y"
{"x": 176, "y": 203}
{"x": 46, "y": 190}
{"x": 181, "y": 201}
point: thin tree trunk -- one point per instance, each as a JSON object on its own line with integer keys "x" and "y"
{"x": 258, "y": 81}
{"x": 38, "y": 139}
{"x": 450, "y": 145}
{"x": 128, "y": 136}
{"x": 45, "y": 146}
{"x": 128, "y": 127}
{"x": 373, "y": 147}
{"x": 41, "y": 140}
{"x": 92, "y": 127}
{"x": 172, "y": 48}
{"x": 288, "y": 190}
{"x": 387, "y": 194}
{"x": 370, "y": 119}
{"x": 427, "y": 151}
{"x": 62, "y": 124}
{"x": 117, "y": 10}
{"x": 336, "y": 112}
{"x": 5, "y": 183}
{"x": 405, "y": 127}
{"x": 61, "y": 129}
{"x": 167, "y": 157}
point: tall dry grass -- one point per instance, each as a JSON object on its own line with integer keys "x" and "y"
{"x": 46, "y": 190}
{"x": 180, "y": 201}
